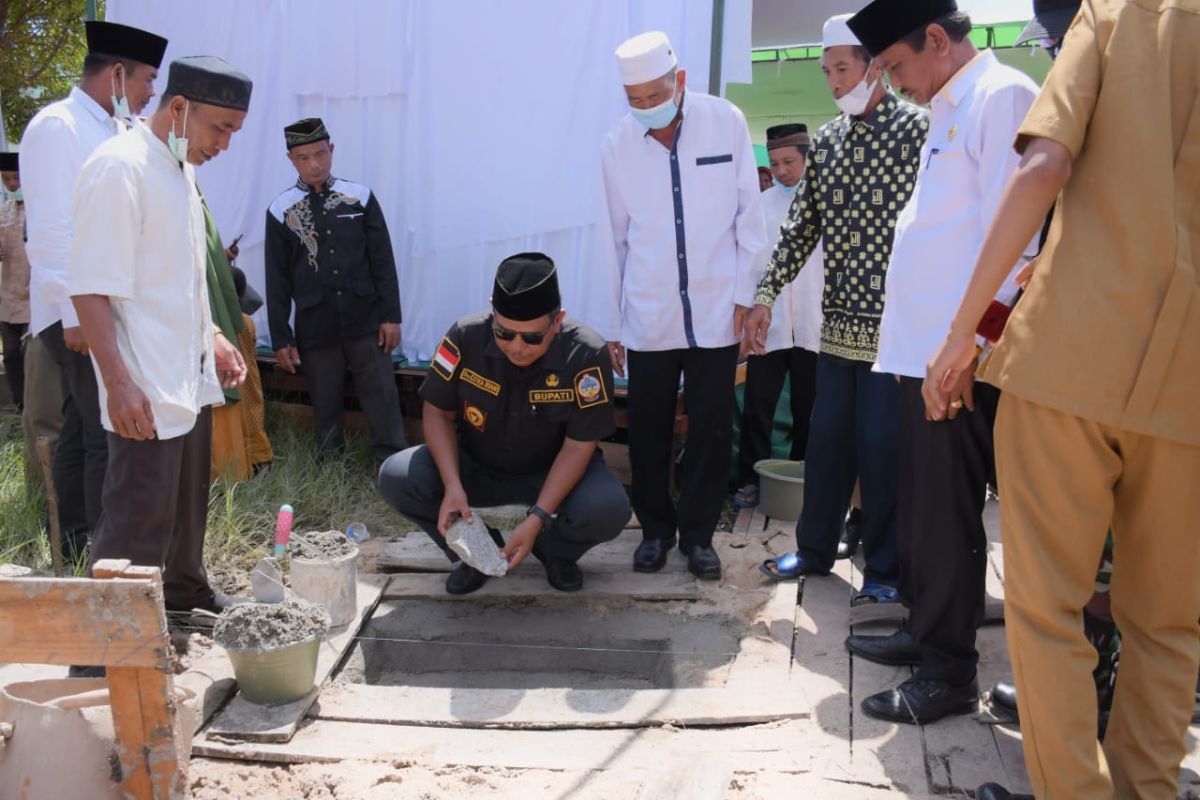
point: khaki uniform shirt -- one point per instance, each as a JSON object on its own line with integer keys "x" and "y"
{"x": 14, "y": 280}
{"x": 1110, "y": 327}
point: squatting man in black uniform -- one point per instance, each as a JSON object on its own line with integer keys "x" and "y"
{"x": 515, "y": 403}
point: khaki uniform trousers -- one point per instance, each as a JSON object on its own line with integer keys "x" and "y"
{"x": 1063, "y": 481}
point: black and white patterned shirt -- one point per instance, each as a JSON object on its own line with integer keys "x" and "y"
{"x": 860, "y": 175}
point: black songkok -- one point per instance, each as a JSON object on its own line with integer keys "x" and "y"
{"x": 306, "y": 131}
{"x": 885, "y": 22}
{"x": 209, "y": 80}
{"x": 794, "y": 134}
{"x": 526, "y": 287}
{"x": 122, "y": 41}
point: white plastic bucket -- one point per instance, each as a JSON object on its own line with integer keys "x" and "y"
{"x": 330, "y": 583}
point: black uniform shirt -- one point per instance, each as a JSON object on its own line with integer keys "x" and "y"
{"x": 330, "y": 252}
{"x": 514, "y": 419}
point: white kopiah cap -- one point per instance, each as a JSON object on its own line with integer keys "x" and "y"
{"x": 645, "y": 57}
{"x": 837, "y": 33}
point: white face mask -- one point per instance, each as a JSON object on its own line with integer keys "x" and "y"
{"x": 854, "y": 102}
{"x": 121, "y": 105}
{"x": 179, "y": 144}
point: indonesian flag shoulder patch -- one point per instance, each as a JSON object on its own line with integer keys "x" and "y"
{"x": 446, "y": 359}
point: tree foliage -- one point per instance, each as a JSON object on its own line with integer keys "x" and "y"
{"x": 42, "y": 45}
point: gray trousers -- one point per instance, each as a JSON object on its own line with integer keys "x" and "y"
{"x": 42, "y": 415}
{"x": 375, "y": 384}
{"x": 595, "y": 511}
{"x": 156, "y": 509}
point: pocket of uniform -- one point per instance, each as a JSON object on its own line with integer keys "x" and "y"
{"x": 363, "y": 287}
{"x": 706, "y": 160}
{"x": 308, "y": 300}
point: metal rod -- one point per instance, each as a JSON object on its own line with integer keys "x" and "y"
{"x": 717, "y": 48}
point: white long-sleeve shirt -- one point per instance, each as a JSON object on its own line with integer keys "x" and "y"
{"x": 140, "y": 241}
{"x": 687, "y": 228}
{"x": 56, "y": 143}
{"x": 796, "y": 313}
{"x": 965, "y": 164}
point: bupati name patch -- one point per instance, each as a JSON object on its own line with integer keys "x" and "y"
{"x": 552, "y": 396}
{"x": 479, "y": 382}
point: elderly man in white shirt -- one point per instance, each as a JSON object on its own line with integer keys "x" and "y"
{"x": 682, "y": 192}
{"x": 138, "y": 282}
{"x": 794, "y": 335}
{"x": 118, "y": 81}
{"x": 976, "y": 107}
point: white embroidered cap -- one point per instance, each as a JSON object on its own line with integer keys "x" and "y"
{"x": 837, "y": 33}
{"x": 645, "y": 57}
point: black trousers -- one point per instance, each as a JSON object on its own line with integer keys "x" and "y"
{"x": 944, "y": 468}
{"x": 375, "y": 384}
{"x": 595, "y": 511}
{"x": 156, "y": 509}
{"x": 708, "y": 376}
{"x": 14, "y": 359}
{"x": 81, "y": 456}
{"x": 764, "y": 381}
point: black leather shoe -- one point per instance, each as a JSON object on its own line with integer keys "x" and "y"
{"x": 564, "y": 575}
{"x": 704, "y": 563}
{"x": 994, "y": 791}
{"x": 851, "y": 534}
{"x": 1004, "y": 697}
{"x": 919, "y": 701}
{"x": 464, "y": 579}
{"x": 651, "y": 555}
{"x": 898, "y": 650}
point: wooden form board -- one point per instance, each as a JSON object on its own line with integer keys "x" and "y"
{"x": 552, "y": 709}
{"x": 417, "y": 553}
{"x": 242, "y": 719}
{"x": 621, "y": 584}
{"x": 116, "y": 620}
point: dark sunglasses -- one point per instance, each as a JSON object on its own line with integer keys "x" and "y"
{"x": 505, "y": 335}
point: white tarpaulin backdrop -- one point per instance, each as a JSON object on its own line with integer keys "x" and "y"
{"x": 477, "y": 124}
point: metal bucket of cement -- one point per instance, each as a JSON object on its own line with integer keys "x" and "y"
{"x": 275, "y": 676}
{"x": 42, "y": 720}
{"x": 780, "y": 487}
{"x": 331, "y": 583}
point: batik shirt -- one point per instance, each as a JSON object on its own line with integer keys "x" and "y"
{"x": 859, "y": 177}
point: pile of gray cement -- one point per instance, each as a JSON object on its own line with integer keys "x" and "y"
{"x": 320, "y": 545}
{"x": 269, "y": 626}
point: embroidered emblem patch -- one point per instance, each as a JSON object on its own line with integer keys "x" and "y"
{"x": 552, "y": 396}
{"x": 552, "y": 380}
{"x": 952, "y": 133}
{"x": 445, "y": 359}
{"x": 476, "y": 417}
{"x": 589, "y": 388}
{"x": 479, "y": 382}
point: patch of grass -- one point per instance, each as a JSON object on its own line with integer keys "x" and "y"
{"x": 325, "y": 493}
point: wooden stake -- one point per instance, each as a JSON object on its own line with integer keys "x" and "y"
{"x": 43, "y": 451}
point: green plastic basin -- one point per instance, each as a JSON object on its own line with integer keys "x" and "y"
{"x": 780, "y": 487}
{"x": 278, "y": 676}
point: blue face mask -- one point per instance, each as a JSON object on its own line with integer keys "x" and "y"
{"x": 658, "y": 117}
{"x": 789, "y": 189}
{"x": 121, "y": 104}
{"x": 179, "y": 144}
{"x": 17, "y": 196}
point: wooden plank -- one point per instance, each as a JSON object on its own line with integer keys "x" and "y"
{"x": 553, "y": 709}
{"x": 620, "y": 583}
{"x": 69, "y": 621}
{"x": 242, "y": 719}
{"x": 211, "y": 679}
{"x": 143, "y": 714}
{"x": 417, "y": 553}
{"x": 754, "y": 748}
{"x": 707, "y": 780}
